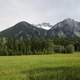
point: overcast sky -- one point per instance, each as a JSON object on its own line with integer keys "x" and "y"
{"x": 37, "y": 11}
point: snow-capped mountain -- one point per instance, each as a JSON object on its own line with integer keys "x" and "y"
{"x": 46, "y": 26}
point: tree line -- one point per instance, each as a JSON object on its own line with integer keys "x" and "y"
{"x": 11, "y": 46}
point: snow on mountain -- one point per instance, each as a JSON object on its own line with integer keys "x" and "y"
{"x": 46, "y": 26}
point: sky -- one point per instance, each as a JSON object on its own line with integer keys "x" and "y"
{"x": 37, "y": 11}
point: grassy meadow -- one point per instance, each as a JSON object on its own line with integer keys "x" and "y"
{"x": 40, "y": 67}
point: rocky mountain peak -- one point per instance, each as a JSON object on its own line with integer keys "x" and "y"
{"x": 67, "y": 27}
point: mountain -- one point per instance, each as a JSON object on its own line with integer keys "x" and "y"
{"x": 44, "y": 25}
{"x": 66, "y": 28}
{"x": 23, "y": 30}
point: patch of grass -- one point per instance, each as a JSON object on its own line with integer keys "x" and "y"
{"x": 23, "y": 67}
{"x": 61, "y": 73}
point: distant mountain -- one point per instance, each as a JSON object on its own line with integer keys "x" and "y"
{"x": 65, "y": 28}
{"x": 46, "y": 26}
{"x": 23, "y": 30}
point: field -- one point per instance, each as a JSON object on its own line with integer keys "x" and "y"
{"x": 40, "y": 67}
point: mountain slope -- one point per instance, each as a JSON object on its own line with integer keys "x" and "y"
{"x": 66, "y": 28}
{"x": 23, "y": 30}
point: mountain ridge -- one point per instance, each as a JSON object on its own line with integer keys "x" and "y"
{"x": 66, "y": 28}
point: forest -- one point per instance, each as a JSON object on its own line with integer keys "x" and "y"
{"x": 38, "y": 46}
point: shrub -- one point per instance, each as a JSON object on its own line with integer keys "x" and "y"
{"x": 64, "y": 49}
{"x": 59, "y": 49}
{"x": 69, "y": 49}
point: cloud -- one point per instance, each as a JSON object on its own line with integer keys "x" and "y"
{"x": 37, "y": 11}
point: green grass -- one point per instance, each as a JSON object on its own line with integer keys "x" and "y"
{"x": 39, "y": 67}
